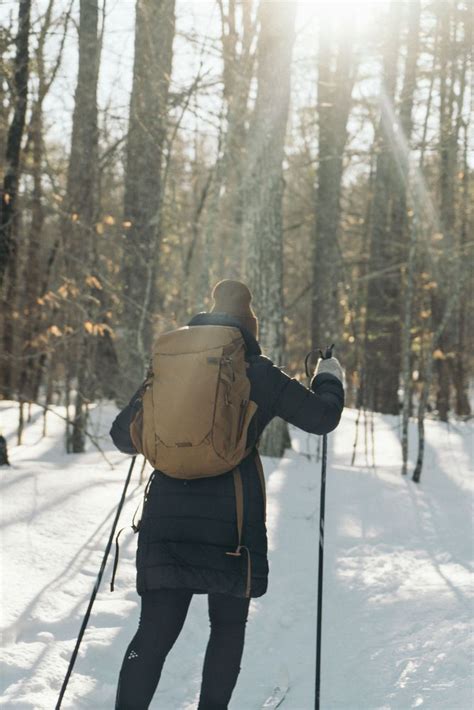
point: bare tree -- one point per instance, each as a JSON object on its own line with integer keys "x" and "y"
{"x": 239, "y": 58}
{"x": 262, "y": 226}
{"x": 336, "y": 75}
{"x": 15, "y": 134}
{"x": 400, "y": 224}
{"x": 8, "y": 206}
{"x": 453, "y": 68}
{"x": 450, "y": 305}
{"x": 464, "y": 339}
{"x": 383, "y": 318}
{"x": 30, "y": 372}
{"x": 154, "y": 33}
{"x": 81, "y": 215}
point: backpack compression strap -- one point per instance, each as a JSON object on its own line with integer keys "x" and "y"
{"x": 239, "y": 503}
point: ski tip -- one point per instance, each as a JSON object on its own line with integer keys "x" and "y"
{"x": 279, "y": 691}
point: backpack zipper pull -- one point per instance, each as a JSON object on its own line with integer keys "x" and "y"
{"x": 228, "y": 361}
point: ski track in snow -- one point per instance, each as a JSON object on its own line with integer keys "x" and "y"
{"x": 397, "y": 610}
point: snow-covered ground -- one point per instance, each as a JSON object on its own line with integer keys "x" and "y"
{"x": 397, "y": 610}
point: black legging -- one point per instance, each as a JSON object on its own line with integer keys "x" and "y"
{"x": 163, "y": 612}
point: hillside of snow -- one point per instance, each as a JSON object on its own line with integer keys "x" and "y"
{"x": 397, "y": 609}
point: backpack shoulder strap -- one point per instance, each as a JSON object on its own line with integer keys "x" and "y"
{"x": 239, "y": 504}
{"x": 261, "y": 475}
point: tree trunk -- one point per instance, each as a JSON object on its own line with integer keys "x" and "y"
{"x": 334, "y": 101}
{"x": 452, "y": 89}
{"x": 443, "y": 374}
{"x": 451, "y": 304}
{"x": 82, "y": 213}
{"x": 9, "y": 195}
{"x": 406, "y": 338}
{"x": 383, "y": 315}
{"x": 3, "y": 452}
{"x": 15, "y": 134}
{"x": 238, "y": 57}
{"x": 399, "y": 229}
{"x": 464, "y": 340}
{"x": 154, "y": 32}
{"x": 263, "y": 188}
{"x": 32, "y": 311}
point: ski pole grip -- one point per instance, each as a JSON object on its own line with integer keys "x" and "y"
{"x": 328, "y": 352}
{"x": 325, "y": 356}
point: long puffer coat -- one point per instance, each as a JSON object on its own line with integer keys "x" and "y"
{"x": 188, "y": 526}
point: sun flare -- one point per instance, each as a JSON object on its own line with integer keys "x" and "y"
{"x": 345, "y": 12}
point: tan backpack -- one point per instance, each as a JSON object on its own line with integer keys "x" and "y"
{"x": 196, "y": 403}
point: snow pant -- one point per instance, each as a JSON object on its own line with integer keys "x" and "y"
{"x": 162, "y": 617}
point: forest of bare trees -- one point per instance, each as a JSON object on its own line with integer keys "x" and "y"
{"x": 321, "y": 152}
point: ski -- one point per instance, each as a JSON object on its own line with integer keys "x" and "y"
{"x": 279, "y": 693}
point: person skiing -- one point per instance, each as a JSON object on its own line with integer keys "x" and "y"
{"x": 188, "y": 526}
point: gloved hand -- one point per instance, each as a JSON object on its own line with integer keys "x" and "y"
{"x": 332, "y": 366}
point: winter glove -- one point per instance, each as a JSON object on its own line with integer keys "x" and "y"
{"x": 120, "y": 431}
{"x": 328, "y": 381}
{"x": 331, "y": 366}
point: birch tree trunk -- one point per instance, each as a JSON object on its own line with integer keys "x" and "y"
{"x": 407, "y": 252}
{"x": 451, "y": 303}
{"x": 222, "y": 236}
{"x": 334, "y": 101}
{"x": 154, "y": 33}
{"x": 406, "y": 337}
{"x": 263, "y": 188}
{"x": 238, "y": 55}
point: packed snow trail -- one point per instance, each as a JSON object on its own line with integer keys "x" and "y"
{"x": 397, "y": 587}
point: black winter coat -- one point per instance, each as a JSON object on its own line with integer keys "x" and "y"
{"x": 188, "y": 526}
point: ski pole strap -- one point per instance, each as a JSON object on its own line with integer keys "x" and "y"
{"x": 116, "y": 558}
{"x": 135, "y": 527}
{"x": 136, "y": 524}
{"x": 325, "y": 356}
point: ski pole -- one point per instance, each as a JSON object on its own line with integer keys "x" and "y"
{"x": 96, "y": 588}
{"x": 322, "y": 504}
